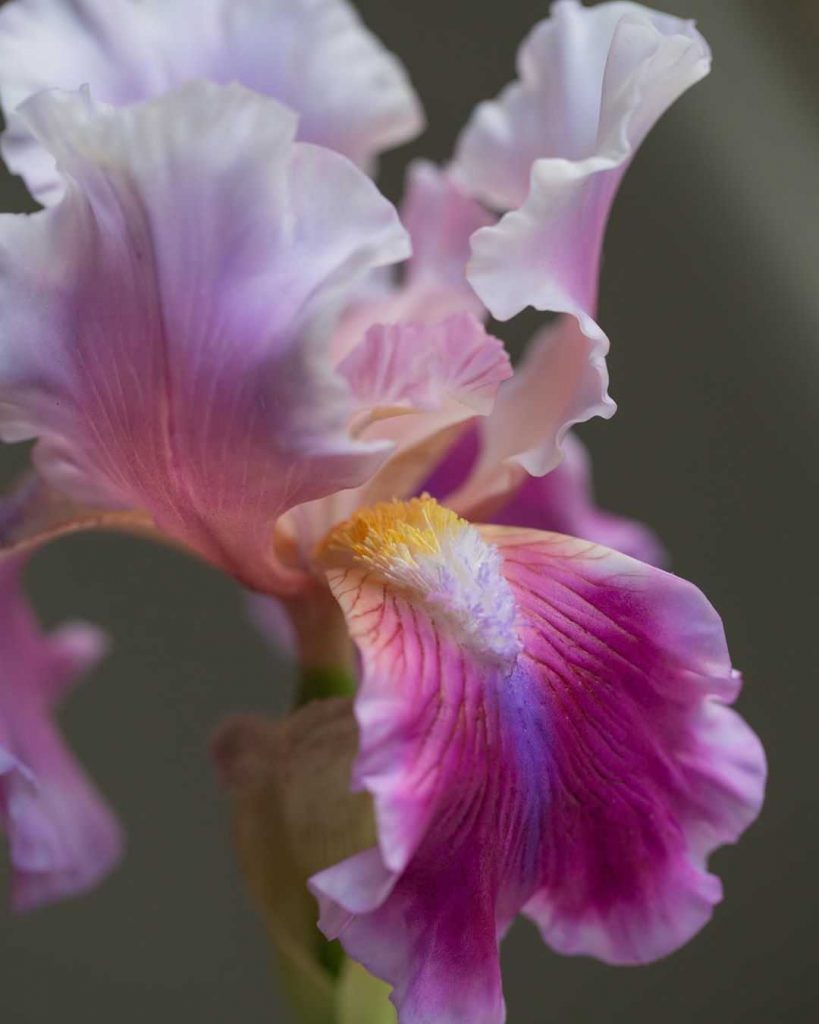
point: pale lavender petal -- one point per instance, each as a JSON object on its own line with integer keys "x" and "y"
{"x": 543, "y": 727}
{"x": 62, "y": 836}
{"x": 315, "y": 56}
{"x": 441, "y": 219}
{"x": 591, "y": 83}
{"x": 165, "y": 328}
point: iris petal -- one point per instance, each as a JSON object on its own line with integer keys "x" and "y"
{"x": 558, "y": 383}
{"x": 62, "y": 836}
{"x": 576, "y": 760}
{"x": 179, "y": 299}
{"x": 552, "y": 149}
{"x": 412, "y": 384}
{"x": 315, "y": 56}
{"x": 440, "y": 219}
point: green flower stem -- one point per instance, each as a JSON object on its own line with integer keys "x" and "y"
{"x": 326, "y": 655}
{"x": 318, "y": 682}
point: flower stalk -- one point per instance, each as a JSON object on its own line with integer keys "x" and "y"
{"x": 324, "y": 651}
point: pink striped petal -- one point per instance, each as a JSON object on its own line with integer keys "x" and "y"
{"x": 413, "y": 384}
{"x": 544, "y": 726}
{"x": 63, "y": 839}
{"x": 315, "y": 56}
{"x": 165, "y": 328}
{"x": 407, "y": 367}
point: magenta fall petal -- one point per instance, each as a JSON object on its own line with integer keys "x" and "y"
{"x": 578, "y": 765}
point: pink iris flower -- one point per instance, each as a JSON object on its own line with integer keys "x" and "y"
{"x": 220, "y": 333}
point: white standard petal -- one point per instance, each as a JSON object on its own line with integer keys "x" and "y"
{"x": 552, "y": 149}
{"x": 592, "y": 82}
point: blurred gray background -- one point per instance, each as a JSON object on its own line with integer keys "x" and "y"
{"x": 710, "y": 296}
